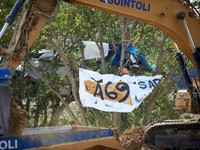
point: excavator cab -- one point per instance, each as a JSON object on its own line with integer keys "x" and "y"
{"x": 184, "y": 102}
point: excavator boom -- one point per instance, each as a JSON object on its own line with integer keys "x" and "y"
{"x": 159, "y": 13}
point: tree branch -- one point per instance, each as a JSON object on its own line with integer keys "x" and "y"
{"x": 60, "y": 97}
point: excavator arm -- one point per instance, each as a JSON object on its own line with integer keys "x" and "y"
{"x": 32, "y": 19}
{"x": 162, "y": 14}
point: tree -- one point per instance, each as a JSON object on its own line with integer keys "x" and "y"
{"x": 5, "y": 8}
{"x": 64, "y": 34}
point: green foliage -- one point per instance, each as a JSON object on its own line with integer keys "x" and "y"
{"x": 5, "y": 8}
{"x": 163, "y": 109}
{"x": 75, "y": 23}
{"x": 65, "y": 120}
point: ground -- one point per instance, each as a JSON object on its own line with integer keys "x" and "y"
{"x": 18, "y": 119}
{"x": 132, "y": 139}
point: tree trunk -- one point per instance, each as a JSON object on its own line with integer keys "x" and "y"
{"x": 71, "y": 114}
{"x": 68, "y": 110}
{"x": 124, "y": 121}
{"x": 36, "y": 117}
{"x": 81, "y": 47}
{"x": 154, "y": 96}
{"x": 99, "y": 117}
{"x": 101, "y": 49}
{"x": 117, "y": 117}
{"x": 148, "y": 111}
{"x": 45, "y": 117}
{"x": 55, "y": 115}
{"x": 28, "y": 105}
{"x": 70, "y": 76}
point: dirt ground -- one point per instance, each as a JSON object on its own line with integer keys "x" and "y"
{"x": 132, "y": 139}
{"x": 18, "y": 119}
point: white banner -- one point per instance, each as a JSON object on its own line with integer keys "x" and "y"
{"x": 91, "y": 50}
{"x": 113, "y": 93}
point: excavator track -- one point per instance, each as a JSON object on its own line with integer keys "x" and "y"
{"x": 174, "y": 134}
